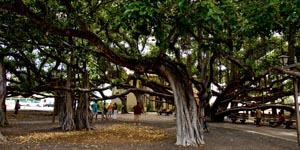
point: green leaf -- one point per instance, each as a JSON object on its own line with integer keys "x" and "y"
{"x": 210, "y": 12}
{"x": 180, "y": 5}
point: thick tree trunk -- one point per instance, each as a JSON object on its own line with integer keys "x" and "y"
{"x": 66, "y": 110}
{"x": 214, "y": 110}
{"x": 189, "y": 128}
{"x": 219, "y": 106}
{"x": 124, "y": 105}
{"x": 66, "y": 114}
{"x": 82, "y": 112}
{"x": 55, "y": 109}
{"x": 3, "y": 119}
{"x": 139, "y": 98}
{"x": 59, "y": 103}
{"x": 138, "y": 95}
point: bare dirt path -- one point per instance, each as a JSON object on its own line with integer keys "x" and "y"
{"x": 33, "y": 130}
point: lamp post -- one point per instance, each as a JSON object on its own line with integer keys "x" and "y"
{"x": 283, "y": 61}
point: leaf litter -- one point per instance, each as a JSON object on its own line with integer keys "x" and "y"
{"x": 117, "y": 132}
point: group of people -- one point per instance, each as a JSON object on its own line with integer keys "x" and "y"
{"x": 111, "y": 111}
{"x": 280, "y": 121}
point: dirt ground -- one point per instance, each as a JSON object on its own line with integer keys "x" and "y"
{"x": 34, "y": 130}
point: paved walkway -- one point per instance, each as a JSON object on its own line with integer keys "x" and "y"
{"x": 250, "y": 127}
{"x": 278, "y": 132}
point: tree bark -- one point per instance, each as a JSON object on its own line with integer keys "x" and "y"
{"x": 215, "y": 109}
{"x": 82, "y": 112}
{"x": 139, "y": 98}
{"x": 189, "y": 128}
{"x": 124, "y": 105}
{"x": 3, "y": 119}
{"x": 66, "y": 110}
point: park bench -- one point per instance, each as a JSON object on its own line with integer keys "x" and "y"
{"x": 288, "y": 124}
{"x": 272, "y": 122}
{"x": 243, "y": 121}
{"x": 165, "y": 111}
{"x": 233, "y": 118}
{"x": 241, "y": 117}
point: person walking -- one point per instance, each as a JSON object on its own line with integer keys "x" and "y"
{"x": 17, "y": 107}
{"x": 137, "y": 111}
{"x": 258, "y": 117}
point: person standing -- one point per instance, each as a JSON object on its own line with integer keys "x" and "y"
{"x": 258, "y": 117}
{"x": 205, "y": 124}
{"x": 137, "y": 110}
{"x": 104, "y": 111}
{"x": 17, "y": 107}
{"x": 115, "y": 111}
{"x": 110, "y": 110}
{"x": 95, "y": 109}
